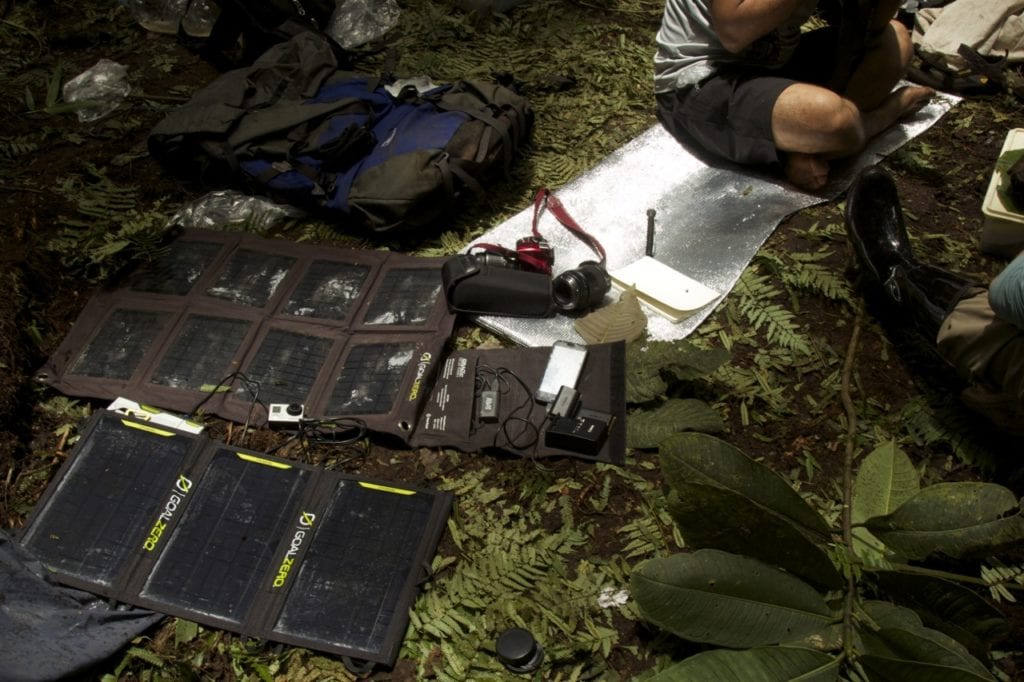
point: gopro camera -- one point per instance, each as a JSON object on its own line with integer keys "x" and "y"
{"x": 285, "y": 413}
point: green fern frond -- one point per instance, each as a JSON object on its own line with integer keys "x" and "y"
{"x": 101, "y": 199}
{"x": 819, "y": 279}
{"x": 951, "y": 424}
{"x": 781, "y": 329}
{"x": 643, "y": 537}
{"x": 556, "y": 170}
{"x": 13, "y": 147}
{"x": 514, "y": 568}
{"x": 1000, "y": 577}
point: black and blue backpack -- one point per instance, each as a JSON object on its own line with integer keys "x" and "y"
{"x": 360, "y": 152}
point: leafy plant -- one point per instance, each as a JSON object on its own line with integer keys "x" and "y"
{"x": 109, "y": 229}
{"x": 654, "y": 365}
{"x": 509, "y": 571}
{"x": 792, "y": 596}
{"x": 779, "y": 323}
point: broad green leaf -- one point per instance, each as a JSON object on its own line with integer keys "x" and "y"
{"x": 948, "y": 607}
{"x": 829, "y": 638}
{"x": 648, "y": 428}
{"x": 954, "y": 519}
{"x": 727, "y": 599}
{"x": 883, "y": 614}
{"x": 700, "y": 458}
{"x": 717, "y": 518}
{"x": 184, "y": 631}
{"x": 645, "y": 362}
{"x": 1003, "y": 164}
{"x": 903, "y": 649}
{"x": 764, "y": 664}
{"x": 885, "y": 479}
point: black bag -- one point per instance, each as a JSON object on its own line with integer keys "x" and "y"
{"x": 471, "y": 285}
{"x": 261, "y": 24}
{"x": 295, "y": 127}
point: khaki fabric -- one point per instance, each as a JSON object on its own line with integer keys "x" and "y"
{"x": 994, "y": 28}
{"x": 989, "y": 352}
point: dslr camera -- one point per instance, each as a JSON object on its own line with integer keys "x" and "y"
{"x": 499, "y": 281}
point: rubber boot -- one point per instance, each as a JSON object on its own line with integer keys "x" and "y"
{"x": 874, "y": 223}
{"x": 917, "y": 293}
{"x": 924, "y": 295}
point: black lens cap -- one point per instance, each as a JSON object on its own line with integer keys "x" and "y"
{"x": 519, "y": 651}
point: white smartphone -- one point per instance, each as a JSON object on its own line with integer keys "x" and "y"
{"x": 563, "y": 369}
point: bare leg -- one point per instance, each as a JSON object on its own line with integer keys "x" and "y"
{"x": 812, "y": 124}
{"x": 887, "y": 55}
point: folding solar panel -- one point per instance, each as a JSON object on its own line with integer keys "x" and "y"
{"x": 204, "y": 346}
{"x": 177, "y": 270}
{"x": 265, "y": 321}
{"x": 120, "y": 343}
{"x": 95, "y": 517}
{"x": 251, "y": 277}
{"x": 329, "y": 290}
{"x": 237, "y": 539}
{"x": 287, "y": 364}
{"x": 406, "y": 296}
{"x": 369, "y": 379}
{"x": 353, "y": 580}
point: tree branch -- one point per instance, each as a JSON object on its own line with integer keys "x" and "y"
{"x": 851, "y": 437}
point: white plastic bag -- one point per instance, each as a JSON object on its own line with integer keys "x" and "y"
{"x": 98, "y": 90}
{"x": 357, "y": 22}
{"x": 230, "y": 209}
{"x": 195, "y": 17}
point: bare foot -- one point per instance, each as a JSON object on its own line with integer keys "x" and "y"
{"x": 910, "y": 99}
{"x": 806, "y": 171}
{"x": 898, "y": 104}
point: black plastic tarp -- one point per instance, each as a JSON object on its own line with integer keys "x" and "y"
{"x": 49, "y": 631}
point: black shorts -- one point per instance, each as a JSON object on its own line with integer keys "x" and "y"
{"x": 730, "y": 114}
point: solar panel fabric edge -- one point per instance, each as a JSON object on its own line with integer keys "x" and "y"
{"x": 179, "y": 490}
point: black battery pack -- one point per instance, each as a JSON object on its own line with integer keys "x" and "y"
{"x": 585, "y": 433}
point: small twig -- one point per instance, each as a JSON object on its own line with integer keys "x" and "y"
{"x": 39, "y": 41}
{"x": 158, "y": 98}
{"x": 851, "y": 436}
{"x": 9, "y": 188}
{"x": 936, "y": 573}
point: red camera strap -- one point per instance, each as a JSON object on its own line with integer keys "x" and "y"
{"x": 537, "y": 262}
{"x": 545, "y": 198}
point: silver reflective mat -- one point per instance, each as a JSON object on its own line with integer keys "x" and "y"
{"x": 710, "y": 220}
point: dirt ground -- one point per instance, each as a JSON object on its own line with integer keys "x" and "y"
{"x": 46, "y": 155}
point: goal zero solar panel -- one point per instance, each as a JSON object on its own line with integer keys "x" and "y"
{"x": 276, "y": 321}
{"x": 237, "y": 539}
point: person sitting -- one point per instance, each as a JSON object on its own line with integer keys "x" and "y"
{"x": 977, "y": 330}
{"x": 740, "y": 80}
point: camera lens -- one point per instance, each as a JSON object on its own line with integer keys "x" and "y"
{"x": 580, "y": 289}
{"x": 495, "y": 259}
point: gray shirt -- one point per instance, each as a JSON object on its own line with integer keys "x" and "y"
{"x": 689, "y": 50}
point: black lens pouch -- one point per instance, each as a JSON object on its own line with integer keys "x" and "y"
{"x": 473, "y": 286}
